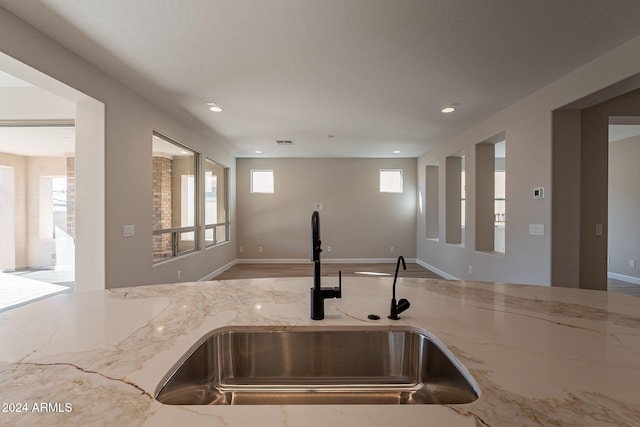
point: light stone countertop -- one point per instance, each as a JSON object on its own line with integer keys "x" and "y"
{"x": 541, "y": 355}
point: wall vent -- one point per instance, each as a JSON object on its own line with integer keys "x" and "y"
{"x": 285, "y": 142}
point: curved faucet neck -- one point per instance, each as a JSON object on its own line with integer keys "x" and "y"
{"x": 395, "y": 278}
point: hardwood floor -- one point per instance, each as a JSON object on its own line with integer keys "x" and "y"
{"x": 623, "y": 287}
{"x": 249, "y": 271}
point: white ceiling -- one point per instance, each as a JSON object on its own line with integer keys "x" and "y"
{"x": 38, "y": 141}
{"x": 373, "y": 74}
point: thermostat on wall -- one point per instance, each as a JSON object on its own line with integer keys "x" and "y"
{"x": 538, "y": 193}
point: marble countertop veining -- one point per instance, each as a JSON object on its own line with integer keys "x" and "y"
{"x": 541, "y": 355}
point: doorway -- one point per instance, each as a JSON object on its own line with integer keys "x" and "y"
{"x": 623, "y": 252}
{"x": 37, "y": 253}
{"x": 45, "y": 184}
{"x": 580, "y": 191}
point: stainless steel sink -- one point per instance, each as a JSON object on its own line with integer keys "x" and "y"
{"x": 308, "y": 365}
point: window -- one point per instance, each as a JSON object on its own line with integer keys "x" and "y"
{"x": 391, "y": 180}
{"x": 175, "y": 198}
{"x": 262, "y": 181}
{"x": 215, "y": 203}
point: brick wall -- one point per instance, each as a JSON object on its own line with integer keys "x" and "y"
{"x": 161, "y": 205}
{"x": 71, "y": 196}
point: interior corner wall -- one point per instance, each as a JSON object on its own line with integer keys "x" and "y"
{"x": 624, "y": 208}
{"x": 528, "y": 128}
{"x": 124, "y": 162}
{"x": 485, "y": 196}
{"x": 453, "y": 196}
{"x": 357, "y": 221}
{"x": 565, "y": 249}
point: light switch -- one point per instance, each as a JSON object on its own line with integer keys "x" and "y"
{"x": 598, "y": 229}
{"x": 536, "y": 229}
{"x": 128, "y": 231}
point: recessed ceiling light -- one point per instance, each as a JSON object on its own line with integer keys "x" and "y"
{"x": 184, "y": 152}
{"x": 258, "y": 152}
{"x": 396, "y": 151}
{"x": 214, "y": 107}
{"x": 448, "y": 110}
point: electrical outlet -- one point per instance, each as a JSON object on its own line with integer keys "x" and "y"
{"x": 259, "y": 248}
{"x": 179, "y": 275}
{"x": 470, "y": 269}
{"x": 392, "y": 249}
{"x": 241, "y": 249}
{"x": 128, "y": 231}
{"x": 328, "y": 248}
{"x": 632, "y": 263}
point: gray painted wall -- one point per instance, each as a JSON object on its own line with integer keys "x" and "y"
{"x": 357, "y": 221}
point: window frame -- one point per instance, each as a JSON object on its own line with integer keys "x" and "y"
{"x": 174, "y": 231}
{"x": 225, "y": 224}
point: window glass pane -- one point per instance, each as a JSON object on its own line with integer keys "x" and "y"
{"x": 262, "y": 181}
{"x": 500, "y": 183}
{"x": 391, "y": 180}
{"x": 221, "y": 233}
{"x": 208, "y": 237}
{"x": 185, "y": 242}
{"x": 215, "y": 193}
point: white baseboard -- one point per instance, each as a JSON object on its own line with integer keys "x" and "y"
{"x": 273, "y": 261}
{"x": 222, "y": 269}
{"x": 628, "y": 279}
{"x": 436, "y": 270}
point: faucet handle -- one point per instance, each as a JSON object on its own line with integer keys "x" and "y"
{"x": 403, "y": 305}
